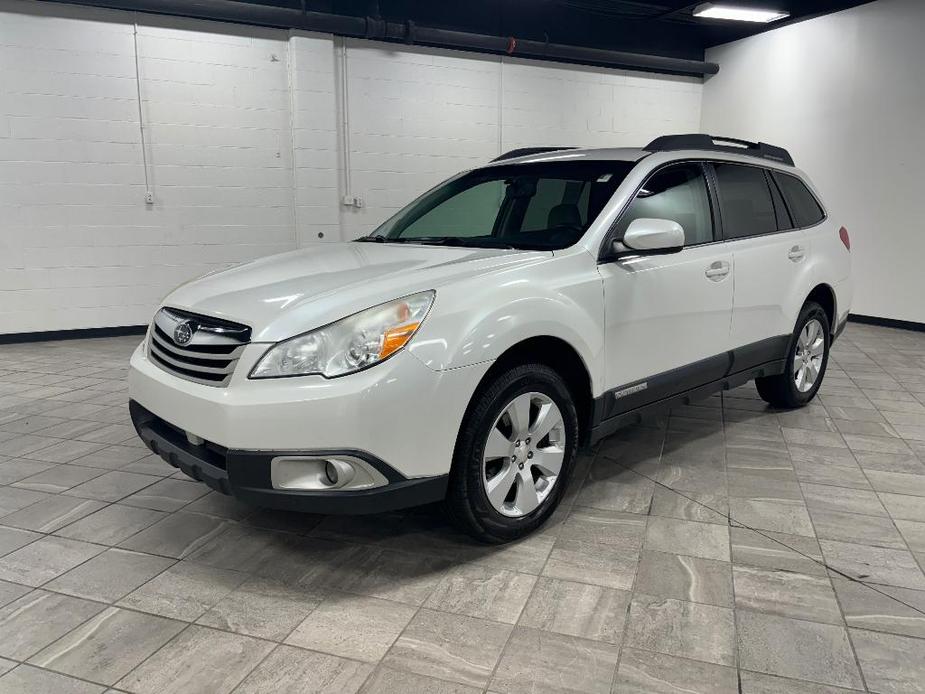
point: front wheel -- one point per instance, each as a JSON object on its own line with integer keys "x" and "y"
{"x": 807, "y": 359}
{"x": 514, "y": 454}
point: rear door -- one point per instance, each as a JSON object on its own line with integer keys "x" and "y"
{"x": 805, "y": 211}
{"x": 767, "y": 252}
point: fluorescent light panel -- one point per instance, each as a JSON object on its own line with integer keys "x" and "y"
{"x": 709, "y": 10}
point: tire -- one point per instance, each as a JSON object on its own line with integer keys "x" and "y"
{"x": 488, "y": 427}
{"x": 784, "y": 391}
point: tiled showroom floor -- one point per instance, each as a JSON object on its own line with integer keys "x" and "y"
{"x": 731, "y": 548}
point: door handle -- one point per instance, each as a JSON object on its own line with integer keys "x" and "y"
{"x": 717, "y": 271}
{"x": 797, "y": 253}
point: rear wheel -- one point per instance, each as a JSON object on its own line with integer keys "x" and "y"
{"x": 807, "y": 359}
{"x": 514, "y": 454}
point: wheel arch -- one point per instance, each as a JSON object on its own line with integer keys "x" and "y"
{"x": 562, "y": 358}
{"x": 824, "y": 295}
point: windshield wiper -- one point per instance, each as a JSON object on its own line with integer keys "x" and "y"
{"x": 461, "y": 241}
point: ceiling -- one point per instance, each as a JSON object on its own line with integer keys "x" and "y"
{"x": 664, "y": 28}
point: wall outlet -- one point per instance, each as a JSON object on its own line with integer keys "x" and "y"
{"x": 352, "y": 201}
{"x": 149, "y": 198}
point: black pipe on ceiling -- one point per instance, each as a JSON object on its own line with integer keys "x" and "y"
{"x": 403, "y": 32}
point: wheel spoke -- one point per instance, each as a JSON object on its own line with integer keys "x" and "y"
{"x": 519, "y": 412}
{"x": 499, "y": 486}
{"x": 815, "y": 330}
{"x": 813, "y": 368}
{"x": 547, "y": 419}
{"x": 497, "y": 445}
{"x": 549, "y": 460}
{"x": 526, "y": 498}
{"x": 810, "y": 351}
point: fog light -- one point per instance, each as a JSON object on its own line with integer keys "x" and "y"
{"x": 330, "y": 471}
{"x": 308, "y": 473}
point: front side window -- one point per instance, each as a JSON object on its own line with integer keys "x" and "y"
{"x": 542, "y": 205}
{"x": 678, "y": 193}
{"x": 804, "y": 209}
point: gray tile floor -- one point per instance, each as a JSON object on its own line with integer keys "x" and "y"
{"x": 727, "y": 548}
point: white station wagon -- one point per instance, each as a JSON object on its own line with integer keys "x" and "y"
{"x": 464, "y": 350}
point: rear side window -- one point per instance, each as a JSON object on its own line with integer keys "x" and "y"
{"x": 784, "y": 222}
{"x": 803, "y": 206}
{"x": 678, "y": 193}
{"x": 745, "y": 200}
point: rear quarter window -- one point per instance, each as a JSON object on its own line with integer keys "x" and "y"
{"x": 745, "y": 201}
{"x": 804, "y": 208}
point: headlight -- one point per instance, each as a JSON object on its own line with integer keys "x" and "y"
{"x": 350, "y": 344}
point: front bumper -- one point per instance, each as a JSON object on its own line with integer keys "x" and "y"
{"x": 400, "y": 417}
{"x": 245, "y": 474}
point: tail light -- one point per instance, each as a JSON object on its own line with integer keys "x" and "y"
{"x": 843, "y": 235}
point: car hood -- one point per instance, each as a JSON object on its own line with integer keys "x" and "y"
{"x": 291, "y": 293}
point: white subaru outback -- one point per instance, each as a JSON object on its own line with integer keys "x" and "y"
{"x": 464, "y": 350}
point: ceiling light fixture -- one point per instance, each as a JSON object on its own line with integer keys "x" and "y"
{"x": 709, "y": 10}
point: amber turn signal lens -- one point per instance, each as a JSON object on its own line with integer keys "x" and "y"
{"x": 395, "y": 338}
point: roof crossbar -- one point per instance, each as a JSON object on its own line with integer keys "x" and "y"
{"x": 524, "y": 151}
{"x": 715, "y": 143}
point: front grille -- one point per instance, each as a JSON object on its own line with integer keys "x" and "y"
{"x": 197, "y": 348}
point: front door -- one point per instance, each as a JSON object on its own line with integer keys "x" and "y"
{"x": 668, "y": 316}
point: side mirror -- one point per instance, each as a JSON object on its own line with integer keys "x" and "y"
{"x": 652, "y": 236}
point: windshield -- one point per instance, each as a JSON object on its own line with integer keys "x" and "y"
{"x": 544, "y": 206}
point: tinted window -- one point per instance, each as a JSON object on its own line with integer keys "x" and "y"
{"x": 470, "y": 213}
{"x": 803, "y": 206}
{"x": 551, "y": 193}
{"x": 678, "y": 193}
{"x": 542, "y": 205}
{"x": 784, "y": 222}
{"x": 745, "y": 199}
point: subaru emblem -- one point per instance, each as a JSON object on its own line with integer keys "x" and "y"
{"x": 183, "y": 333}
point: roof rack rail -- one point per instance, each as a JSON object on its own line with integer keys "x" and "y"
{"x": 715, "y": 143}
{"x": 524, "y": 151}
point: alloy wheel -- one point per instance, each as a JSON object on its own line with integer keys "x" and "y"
{"x": 807, "y": 360}
{"x": 523, "y": 454}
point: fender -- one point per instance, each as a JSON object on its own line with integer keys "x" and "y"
{"x": 561, "y": 297}
{"x": 826, "y": 267}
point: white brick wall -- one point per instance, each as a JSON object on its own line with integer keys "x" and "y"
{"x": 844, "y": 93}
{"x": 418, "y": 116}
{"x": 315, "y": 143}
{"x": 78, "y": 246}
{"x": 243, "y": 140}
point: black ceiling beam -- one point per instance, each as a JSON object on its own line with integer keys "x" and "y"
{"x": 403, "y": 32}
{"x": 668, "y": 14}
